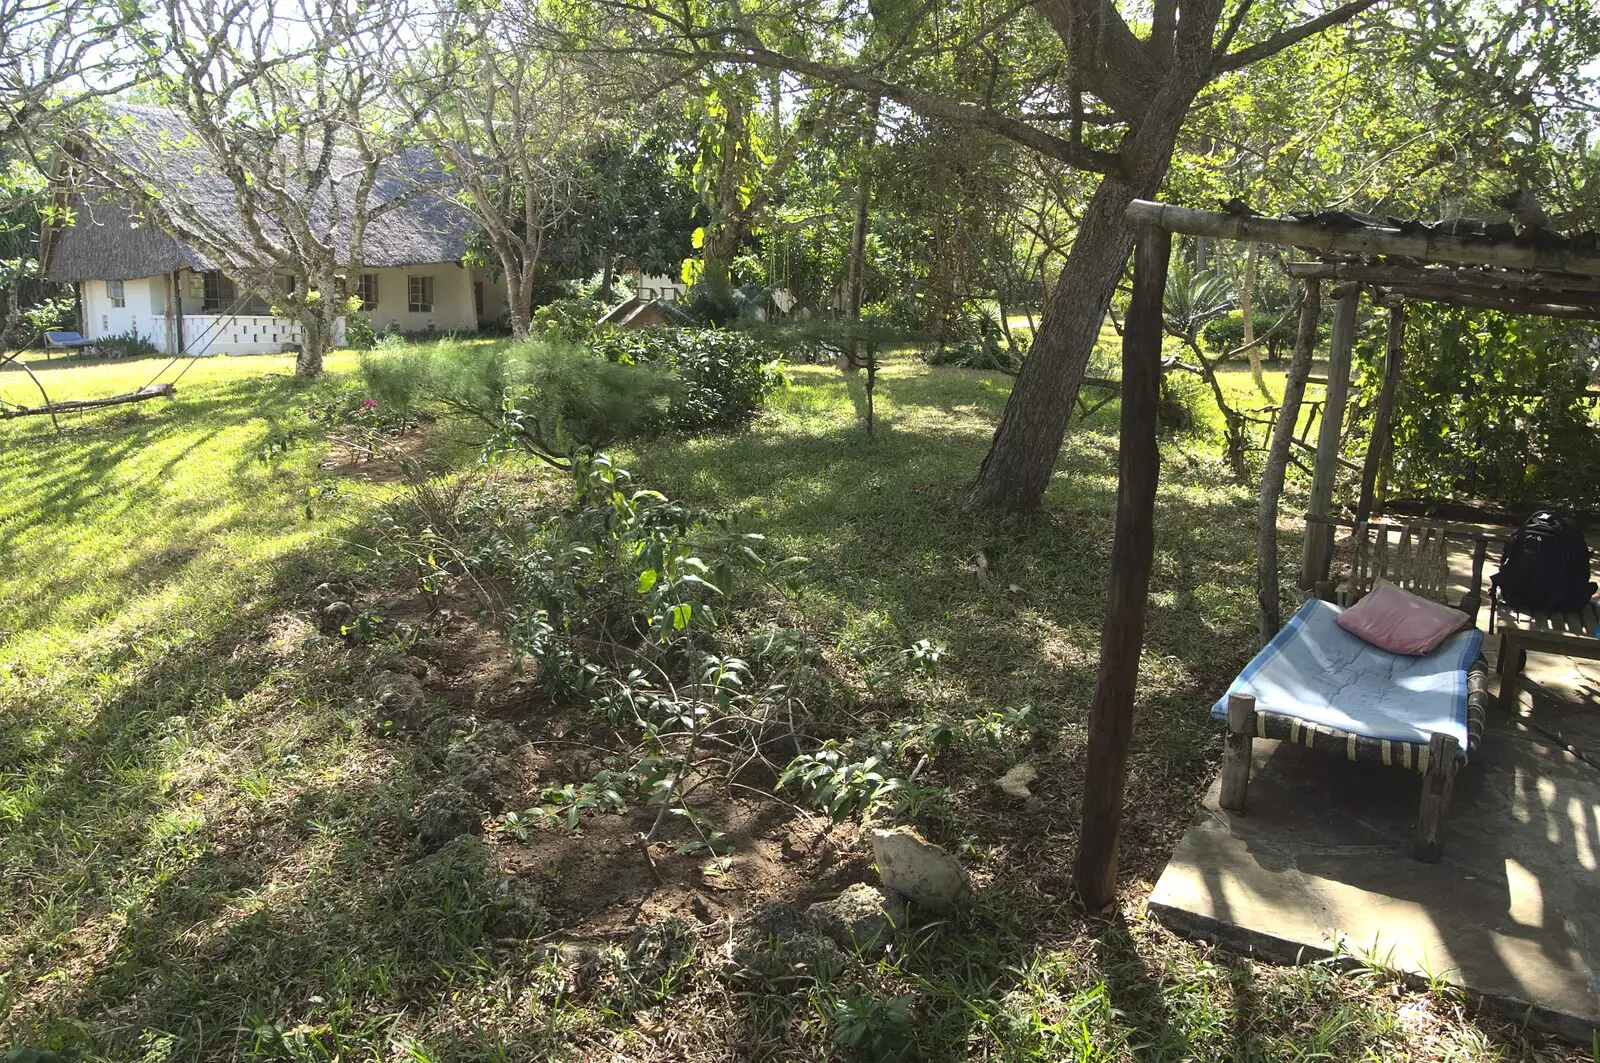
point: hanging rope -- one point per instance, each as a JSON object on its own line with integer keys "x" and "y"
{"x": 198, "y": 342}
{"x": 20, "y": 409}
{"x": 151, "y": 390}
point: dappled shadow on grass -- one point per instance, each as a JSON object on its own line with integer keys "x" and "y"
{"x": 1017, "y": 601}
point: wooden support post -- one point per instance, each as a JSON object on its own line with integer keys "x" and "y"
{"x": 1294, "y": 389}
{"x": 1383, "y": 417}
{"x": 1473, "y": 599}
{"x": 1319, "y": 537}
{"x": 1236, "y": 751}
{"x": 1132, "y": 552}
{"x": 1438, "y": 781}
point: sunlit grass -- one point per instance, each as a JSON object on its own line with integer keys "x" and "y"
{"x": 206, "y": 850}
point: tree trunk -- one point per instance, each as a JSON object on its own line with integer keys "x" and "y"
{"x": 858, "y": 230}
{"x": 519, "y": 295}
{"x": 316, "y": 334}
{"x": 608, "y": 279}
{"x": 1294, "y": 389}
{"x": 1017, "y": 469}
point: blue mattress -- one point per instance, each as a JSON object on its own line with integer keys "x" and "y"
{"x": 1315, "y": 670}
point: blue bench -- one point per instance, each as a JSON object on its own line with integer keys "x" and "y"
{"x": 65, "y": 341}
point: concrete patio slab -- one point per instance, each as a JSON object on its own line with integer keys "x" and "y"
{"x": 1321, "y": 860}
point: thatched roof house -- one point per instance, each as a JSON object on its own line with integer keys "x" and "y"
{"x": 135, "y": 277}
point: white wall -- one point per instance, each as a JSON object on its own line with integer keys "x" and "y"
{"x": 452, "y": 299}
{"x": 145, "y": 311}
{"x": 495, "y": 302}
{"x": 141, "y": 298}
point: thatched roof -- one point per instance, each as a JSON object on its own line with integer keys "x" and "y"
{"x": 114, "y": 239}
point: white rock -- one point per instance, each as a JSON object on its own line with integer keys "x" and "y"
{"x": 1015, "y": 782}
{"x": 861, "y": 917}
{"x": 923, "y": 873}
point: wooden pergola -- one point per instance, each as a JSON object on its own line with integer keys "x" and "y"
{"x": 1471, "y": 264}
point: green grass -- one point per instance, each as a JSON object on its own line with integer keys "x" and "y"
{"x": 207, "y": 849}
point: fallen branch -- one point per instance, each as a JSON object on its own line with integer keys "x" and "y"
{"x": 153, "y": 391}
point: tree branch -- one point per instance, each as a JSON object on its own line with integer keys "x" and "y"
{"x": 923, "y": 103}
{"x": 1289, "y": 37}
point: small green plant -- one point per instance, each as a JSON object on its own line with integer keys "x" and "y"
{"x": 871, "y": 1026}
{"x": 359, "y": 334}
{"x": 830, "y": 780}
{"x": 364, "y": 627}
{"x": 125, "y": 345}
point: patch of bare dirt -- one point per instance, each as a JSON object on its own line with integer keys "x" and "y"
{"x": 599, "y": 877}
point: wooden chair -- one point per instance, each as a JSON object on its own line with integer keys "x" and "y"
{"x": 1416, "y": 558}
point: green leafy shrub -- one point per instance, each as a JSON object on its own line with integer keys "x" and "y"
{"x": 991, "y": 349}
{"x": 903, "y": 310}
{"x": 541, "y": 398}
{"x": 723, "y": 377}
{"x": 1493, "y": 406}
{"x": 1223, "y": 334}
{"x": 572, "y": 318}
{"x": 125, "y": 345}
{"x": 359, "y": 335}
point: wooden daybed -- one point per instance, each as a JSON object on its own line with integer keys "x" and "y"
{"x": 1320, "y": 687}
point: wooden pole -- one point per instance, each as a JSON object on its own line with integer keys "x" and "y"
{"x": 177, "y": 295}
{"x": 1236, "y": 752}
{"x": 1319, "y": 537}
{"x": 1521, "y": 303}
{"x": 1383, "y": 417}
{"x": 1283, "y": 438}
{"x": 1132, "y": 552}
{"x": 1372, "y": 240}
{"x": 1438, "y": 783}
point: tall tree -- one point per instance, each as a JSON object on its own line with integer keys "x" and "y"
{"x": 268, "y": 153}
{"x": 509, "y": 121}
{"x": 1071, "y": 79}
{"x": 58, "y": 54}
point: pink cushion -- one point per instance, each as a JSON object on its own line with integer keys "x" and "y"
{"x": 1400, "y": 622}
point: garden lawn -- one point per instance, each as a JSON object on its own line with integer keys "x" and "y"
{"x": 207, "y": 849}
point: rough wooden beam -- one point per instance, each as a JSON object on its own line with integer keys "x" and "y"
{"x": 1366, "y": 273}
{"x": 1132, "y": 553}
{"x": 1508, "y": 303}
{"x": 1435, "y": 247}
{"x": 1319, "y": 538}
{"x": 1382, "y": 418}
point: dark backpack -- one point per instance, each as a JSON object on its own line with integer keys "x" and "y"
{"x": 1545, "y": 567}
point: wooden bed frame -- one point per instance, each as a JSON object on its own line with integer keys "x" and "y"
{"x": 1418, "y": 562}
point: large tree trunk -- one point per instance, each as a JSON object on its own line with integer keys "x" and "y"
{"x": 316, "y": 333}
{"x": 519, "y": 294}
{"x": 1017, "y": 468}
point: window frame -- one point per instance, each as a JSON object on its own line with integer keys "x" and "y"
{"x": 117, "y": 296}
{"x": 422, "y": 283}
{"x": 217, "y": 292}
{"x": 367, "y": 291}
